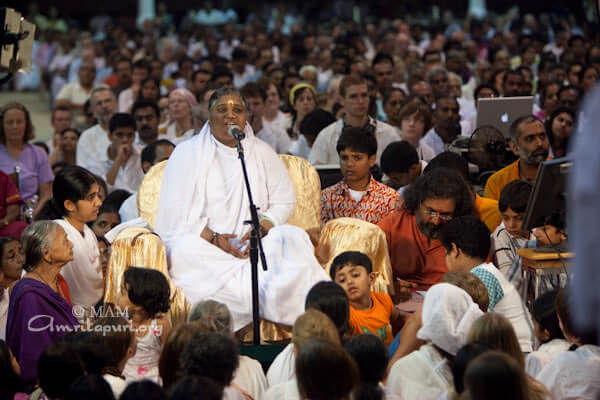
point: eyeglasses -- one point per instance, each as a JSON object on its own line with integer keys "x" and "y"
{"x": 435, "y": 214}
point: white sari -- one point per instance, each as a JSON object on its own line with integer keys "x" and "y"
{"x": 202, "y": 186}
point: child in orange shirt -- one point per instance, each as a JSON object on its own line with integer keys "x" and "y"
{"x": 369, "y": 312}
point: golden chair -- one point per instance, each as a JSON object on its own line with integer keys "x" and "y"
{"x": 149, "y": 193}
{"x": 140, "y": 247}
{"x": 307, "y": 212}
{"x": 344, "y": 234}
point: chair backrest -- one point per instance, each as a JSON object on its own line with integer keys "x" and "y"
{"x": 352, "y": 234}
{"x": 141, "y": 247}
{"x": 149, "y": 193}
{"x": 307, "y": 212}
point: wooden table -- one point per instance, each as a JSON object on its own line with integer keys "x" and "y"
{"x": 542, "y": 263}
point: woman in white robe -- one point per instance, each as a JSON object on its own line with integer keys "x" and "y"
{"x": 76, "y": 201}
{"x": 201, "y": 213}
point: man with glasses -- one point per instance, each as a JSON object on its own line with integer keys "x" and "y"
{"x": 416, "y": 254}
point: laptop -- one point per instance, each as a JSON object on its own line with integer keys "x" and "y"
{"x": 501, "y": 112}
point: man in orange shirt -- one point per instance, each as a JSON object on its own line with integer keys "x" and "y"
{"x": 417, "y": 256}
{"x": 530, "y": 142}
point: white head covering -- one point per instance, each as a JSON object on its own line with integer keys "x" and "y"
{"x": 448, "y": 313}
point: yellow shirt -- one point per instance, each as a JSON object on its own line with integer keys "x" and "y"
{"x": 497, "y": 181}
{"x": 488, "y": 212}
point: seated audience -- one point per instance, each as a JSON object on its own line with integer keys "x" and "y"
{"x": 495, "y": 375}
{"x": 144, "y": 390}
{"x": 146, "y": 296}
{"x": 370, "y": 312}
{"x": 120, "y": 164}
{"x": 170, "y": 363}
{"x": 447, "y": 315}
{"x": 355, "y": 96}
{"x": 312, "y": 324}
{"x": 60, "y": 120}
{"x": 93, "y": 387}
{"x": 573, "y": 374}
{"x": 302, "y": 102}
{"x": 470, "y": 284}
{"x": 146, "y": 115}
{"x": 415, "y": 121}
{"x": 214, "y": 356}
{"x": 180, "y": 125}
{"x": 10, "y": 372}
{"x": 74, "y": 95}
{"x": 548, "y": 333}
{"x": 17, "y": 156}
{"x": 42, "y": 291}
{"x": 371, "y": 356}
{"x": 465, "y": 355}
{"x": 528, "y": 141}
{"x": 416, "y": 255}
{"x": 327, "y": 297}
{"x": 509, "y": 235}
{"x": 256, "y": 97}
{"x": 213, "y": 316}
{"x": 66, "y": 148}
{"x": 358, "y": 195}
{"x": 467, "y": 243}
{"x": 58, "y": 366}
{"x": 446, "y": 125}
{"x": 326, "y": 371}
{"x": 401, "y": 165}
{"x": 497, "y": 332}
{"x": 108, "y": 216}
{"x": 559, "y": 128}
{"x": 11, "y": 269}
{"x": 192, "y": 387}
{"x": 121, "y": 343}
{"x": 313, "y": 123}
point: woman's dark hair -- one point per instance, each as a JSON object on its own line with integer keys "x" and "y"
{"x": 90, "y": 348}
{"x": 148, "y": 288}
{"x": 372, "y": 358}
{"x": 461, "y": 361}
{"x": 315, "y": 121}
{"x": 550, "y": 121}
{"x": 71, "y": 183}
{"x": 515, "y": 196}
{"x": 563, "y": 310}
{"x": 115, "y": 199}
{"x": 11, "y": 382}
{"x": 495, "y": 375}
{"x": 62, "y": 133}
{"x": 146, "y": 390}
{"x": 331, "y": 299}
{"x": 89, "y": 387}
{"x": 57, "y": 368}
{"x": 325, "y": 371}
{"x": 544, "y": 89}
{"x": 441, "y": 183}
{"x": 213, "y": 355}
{"x": 196, "y": 387}
{"x": 544, "y": 313}
{"x": 117, "y": 335}
{"x": 170, "y": 365}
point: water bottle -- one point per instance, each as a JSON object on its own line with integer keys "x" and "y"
{"x": 30, "y": 206}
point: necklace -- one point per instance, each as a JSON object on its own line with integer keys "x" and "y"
{"x": 43, "y": 280}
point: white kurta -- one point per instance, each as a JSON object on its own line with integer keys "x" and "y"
{"x": 90, "y": 146}
{"x": 203, "y": 186}
{"x": 250, "y": 377}
{"x": 84, "y": 273}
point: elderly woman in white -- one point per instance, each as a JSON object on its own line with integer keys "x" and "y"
{"x": 201, "y": 213}
{"x": 448, "y": 313}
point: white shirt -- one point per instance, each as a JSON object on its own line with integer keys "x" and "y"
{"x": 84, "y": 273}
{"x": 91, "y": 145}
{"x": 434, "y": 142}
{"x": 424, "y": 374}
{"x": 281, "y": 121}
{"x": 278, "y": 139}
{"x": 171, "y": 134}
{"x": 283, "y": 367}
{"x": 300, "y": 148}
{"x": 117, "y": 384}
{"x": 504, "y": 248}
{"x": 126, "y": 100}
{"x": 505, "y": 300}
{"x": 74, "y": 93}
{"x": 536, "y": 361}
{"x": 129, "y": 176}
{"x": 250, "y": 377}
{"x": 324, "y": 148}
{"x": 287, "y": 390}
{"x": 573, "y": 374}
{"x": 240, "y": 80}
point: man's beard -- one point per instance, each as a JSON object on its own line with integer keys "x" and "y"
{"x": 535, "y": 157}
{"x": 428, "y": 229}
{"x": 147, "y": 133}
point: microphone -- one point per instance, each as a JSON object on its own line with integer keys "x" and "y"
{"x": 236, "y": 132}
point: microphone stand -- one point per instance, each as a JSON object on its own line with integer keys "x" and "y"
{"x": 255, "y": 250}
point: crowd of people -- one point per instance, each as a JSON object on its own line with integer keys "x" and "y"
{"x": 385, "y": 102}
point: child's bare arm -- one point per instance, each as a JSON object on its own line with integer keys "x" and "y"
{"x": 398, "y": 319}
{"x": 165, "y": 328}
